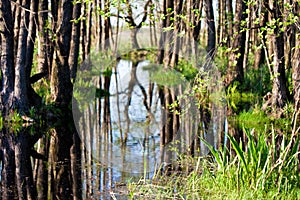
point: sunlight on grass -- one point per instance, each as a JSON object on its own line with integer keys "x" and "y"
{"x": 259, "y": 170}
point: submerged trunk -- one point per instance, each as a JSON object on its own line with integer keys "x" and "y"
{"x": 8, "y": 167}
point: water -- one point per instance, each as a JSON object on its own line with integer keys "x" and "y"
{"x": 119, "y": 118}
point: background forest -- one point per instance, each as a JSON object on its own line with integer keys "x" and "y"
{"x": 255, "y": 45}
{"x": 49, "y": 38}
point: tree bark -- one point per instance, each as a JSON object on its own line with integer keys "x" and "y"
{"x": 259, "y": 57}
{"x": 74, "y": 54}
{"x": 8, "y": 167}
{"x": 61, "y": 86}
{"x": 211, "y": 29}
{"x": 279, "y": 88}
{"x": 7, "y": 56}
{"x": 296, "y": 65}
{"x": 235, "y": 70}
{"x": 230, "y": 22}
{"x": 44, "y": 42}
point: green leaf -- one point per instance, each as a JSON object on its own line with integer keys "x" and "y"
{"x": 238, "y": 151}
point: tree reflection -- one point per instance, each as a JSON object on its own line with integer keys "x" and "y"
{"x": 39, "y": 163}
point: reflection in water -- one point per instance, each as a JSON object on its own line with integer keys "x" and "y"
{"x": 40, "y": 164}
{"x": 119, "y": 120}
{"x": 121, "y": 126}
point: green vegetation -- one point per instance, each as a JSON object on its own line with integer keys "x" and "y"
{"x": 259, "y": 171}
{"x": 264, "y": 165}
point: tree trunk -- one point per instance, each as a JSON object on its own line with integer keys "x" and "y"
{"x": 230, "y": 22}
{"x": 259, "y": 57}
{"x": 41, "y": 169}
{"x": 21, "y": 79}
{"x": 24, "y": 177}
{"x": 74, "y": 54}
{"x": 279, "y": 88}
{"x": 235, "y": 70}
{"x": 7, "y": 56}
{"x": 44, "y": 42}
{"x": 75, "y": 156}
{"x": 296, "y": 66}
{"x": 106, "y": 42}
{"x": 61, "y": 86}
{"x": 8, "y": 167}
{"x": 133, "y": 35}
{"x": 222, "y": 22}
{"x": 211, "y": 38}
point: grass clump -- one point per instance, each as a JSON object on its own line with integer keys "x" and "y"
{"x": 266, "y": 167}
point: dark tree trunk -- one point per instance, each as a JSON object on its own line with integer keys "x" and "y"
{"x": 259, "y": 53}
{"x": 75, "y": 155}
{"x": 24, "y": 177}
{"x": 74, "y": 54}
{"x": 279, "y": 88}
{"x": 44, "y": 49}
{"x": 7, "y": 56}
{"x": 42, "y": 170}
{"x": 83, "y": 32}
{"x": 296, "y": 66}
{"x": 211, "y": 29}
{"x": 8, "y": 167}
{"x": 61, "y": 143}
{"x": 235, "y": 70}
{"x": 230, "y": 22}
{"x": 61, "y": 86}
{"x": 106, "y": 43}
{"x": 21, "y": 79}
{"x": 222, "y": 21}
{"x": 33, "y": 98}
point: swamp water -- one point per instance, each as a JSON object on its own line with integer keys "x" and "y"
{"x": 115, "y": 135}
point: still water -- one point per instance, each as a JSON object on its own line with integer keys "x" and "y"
{"x": 113, "y": 135}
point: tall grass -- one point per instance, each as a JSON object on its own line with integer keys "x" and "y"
{"x": 265, "y": 167}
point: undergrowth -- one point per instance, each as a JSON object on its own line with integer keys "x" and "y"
{"x": 264, "y": 168}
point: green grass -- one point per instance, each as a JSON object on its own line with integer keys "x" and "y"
{"x": 264, "y": 168}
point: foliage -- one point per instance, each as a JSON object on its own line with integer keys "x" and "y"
{"x": 165, "y": 76}
{"x": 259, "y": 170}
{"x": 42, "y": 88}
{"x": 1, "y": 122}
{"x": 239, "y": 100}
{"x": 187, "y": 70}
{"x": 257, "y": 81}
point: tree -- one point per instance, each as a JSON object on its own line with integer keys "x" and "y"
{"x": 235, "y": 71}
{"x": 211, "y": 29}
{"x": 130, "y": 18}
{"x": 61, "y": 86}
{"x": 296, "y": 62}
{"x": 7, "y": 56}
{"x": 279, "y": 88}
